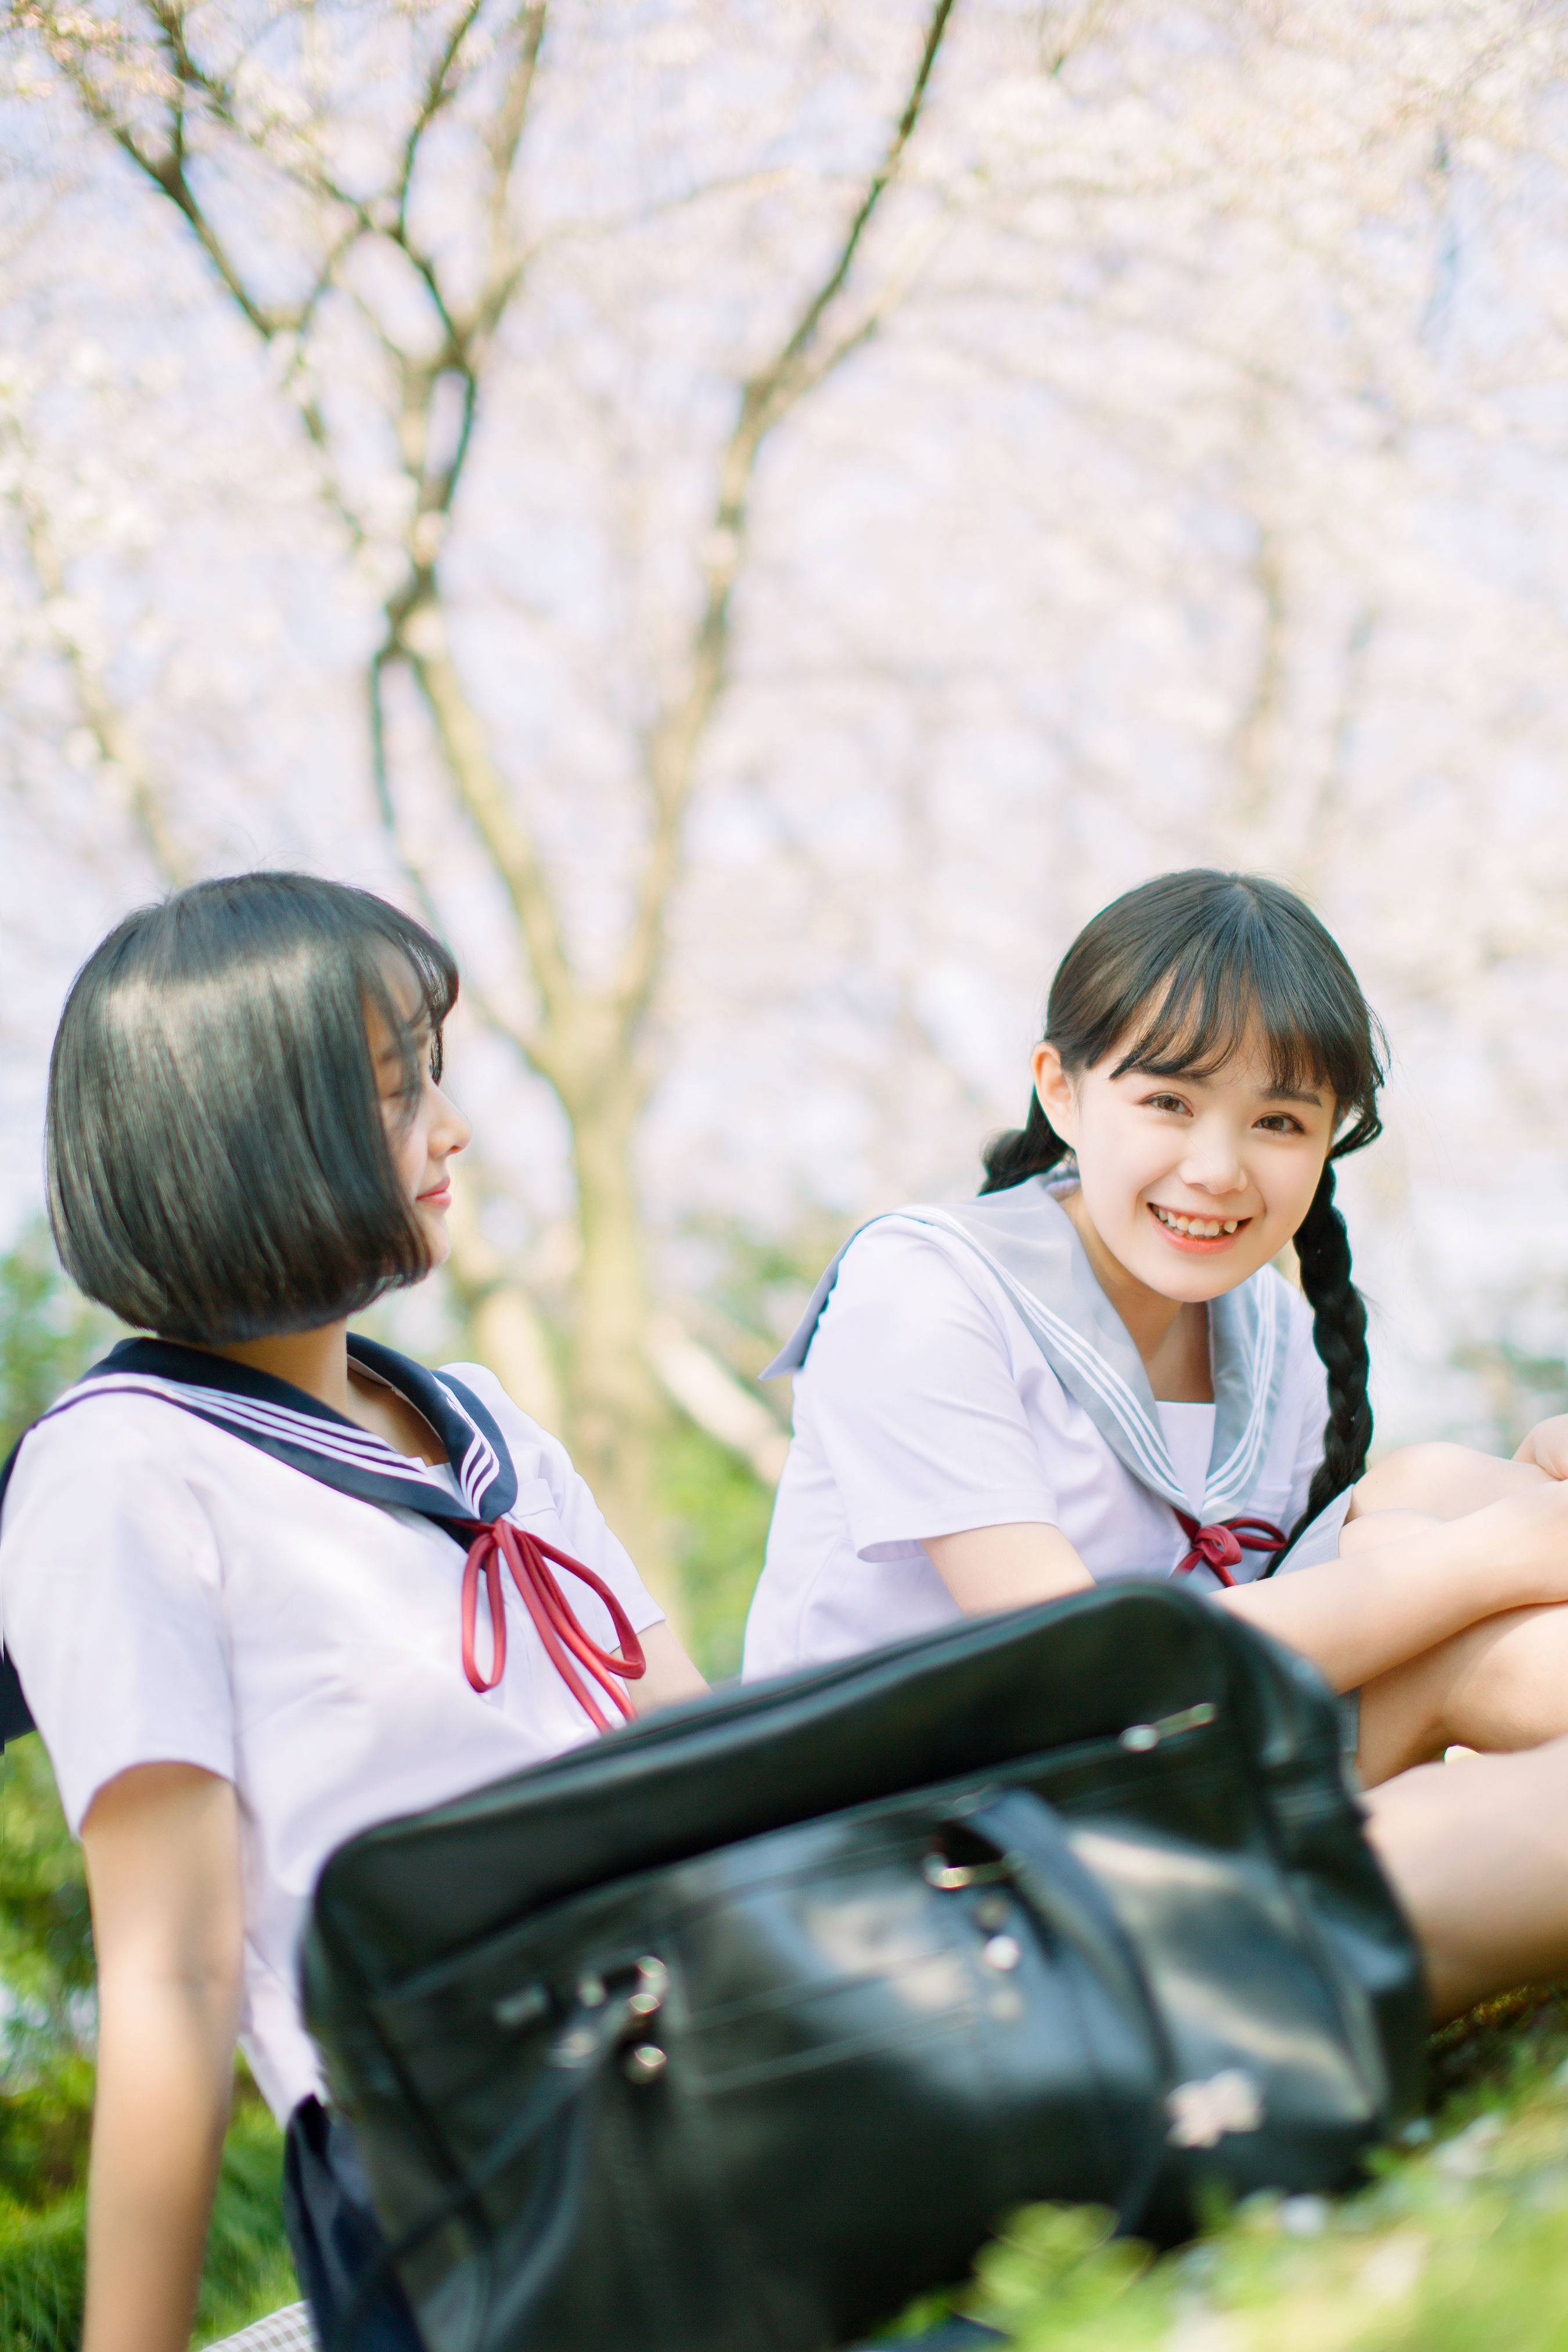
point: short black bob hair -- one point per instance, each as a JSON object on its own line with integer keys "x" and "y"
{"x": 218, "y": 1166}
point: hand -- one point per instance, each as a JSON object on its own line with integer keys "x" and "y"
{"x": 1525, "y": 1538}
{"x": 1547, "y": 1446}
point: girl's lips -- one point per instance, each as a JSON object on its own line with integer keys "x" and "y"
{"x": 439, "y": 1195}
{"x": 1196, "y": 1245}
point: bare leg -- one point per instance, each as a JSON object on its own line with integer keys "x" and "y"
{"x": 1477, "y": 1854}
{"x": 1443, "y": 1482}
{"x": 1499, "y": 1686}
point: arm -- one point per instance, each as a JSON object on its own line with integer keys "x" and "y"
{"x": 1357, "y": 1618}
{"x": 670, "y": 1676}
{"x": 1354, "y": 1618}
{"x": 988, "y": 1568}
{"x": 161, "y": 1847}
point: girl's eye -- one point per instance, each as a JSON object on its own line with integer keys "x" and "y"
{"x": 1279, "y": 1122}
{"x": 1163, "y": 1102}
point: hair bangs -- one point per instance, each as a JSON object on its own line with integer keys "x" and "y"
{"x": 1233, "y": 1003}
{"x": 398, "y": 947}
{"x": 1194, "y": 970}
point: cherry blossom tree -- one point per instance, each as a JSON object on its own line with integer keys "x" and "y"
{"x": 761, "y": 526}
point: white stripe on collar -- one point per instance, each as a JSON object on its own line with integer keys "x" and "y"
{"x": 361, "y": 1449}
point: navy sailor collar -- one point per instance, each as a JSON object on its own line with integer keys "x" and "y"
{"x": 297, "y": 1428}
{"x": 294, "y": 1427}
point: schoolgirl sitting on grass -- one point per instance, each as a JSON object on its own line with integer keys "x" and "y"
{"x": 267, "y": 1583}
{"x": 1093, "y": 1369}
{"x": 264, "y": 1582}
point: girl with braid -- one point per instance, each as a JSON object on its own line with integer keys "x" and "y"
{"x": 1094, "y": 1370}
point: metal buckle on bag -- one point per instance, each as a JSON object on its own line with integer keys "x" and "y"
{"x": 938, "y": 1872}
{"x": 624, "y": 1997}
{"x": 653, "y": 1983}
{"x": 1139, "y": 1738}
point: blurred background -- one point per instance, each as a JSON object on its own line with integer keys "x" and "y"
{"x": 756, "y": 520}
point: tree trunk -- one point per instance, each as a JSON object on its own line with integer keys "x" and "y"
{"x": 616, "y": 1407}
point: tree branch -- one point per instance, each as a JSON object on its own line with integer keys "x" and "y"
{"x": 766, "y": 397}
{"x": 437, "y": 91}
{"x": 118, "y": 751}
{"x": 486, "y": 801}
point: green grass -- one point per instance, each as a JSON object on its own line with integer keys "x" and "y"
{"x": 248, "y": 2271}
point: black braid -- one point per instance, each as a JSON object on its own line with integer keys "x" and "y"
{"x": 1020, "y": 1152}
{"x": 1338, "y": 1334}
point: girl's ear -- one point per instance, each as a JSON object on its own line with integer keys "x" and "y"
{"x": 1058, "y": 1096}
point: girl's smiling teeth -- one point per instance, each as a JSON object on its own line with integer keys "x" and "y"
{"x": 1206, "y": 1229}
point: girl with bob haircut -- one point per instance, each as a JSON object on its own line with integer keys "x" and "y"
{"x": 263, "y": 1582}
{"x": 1093, "y": 1369}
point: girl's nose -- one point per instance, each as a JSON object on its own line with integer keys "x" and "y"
{"x": 1213, "y": 1162}
{"x": 450, "y": 1133}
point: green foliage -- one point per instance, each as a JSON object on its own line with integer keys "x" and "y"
{"x": 41, "y": 2275}
{"x": 247, "y": 2270}
{"x": 721, "y": 1512}
{"x": 46, "y": 1935}
{"x": 47, "y": 1335}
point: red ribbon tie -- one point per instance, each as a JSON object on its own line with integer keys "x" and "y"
{"x": 528, "y": 1557}
{"x": 1221, "y": 1546}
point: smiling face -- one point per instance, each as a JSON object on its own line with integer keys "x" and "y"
{"x": 1189, "y": 1184}
{"x": 424, "y": 1128}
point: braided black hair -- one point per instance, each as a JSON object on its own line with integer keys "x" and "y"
{"x": 1173, "y": 977}
{"x": 1338, "y": 1333}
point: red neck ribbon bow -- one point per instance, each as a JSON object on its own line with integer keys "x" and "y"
{"x": 1220, "y": 1547}
{"x": 529, "y": 1557}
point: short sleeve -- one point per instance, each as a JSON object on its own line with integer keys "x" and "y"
{"x": 913, "y": 1397}
{"x": 110, "y": 1603}
{"x": 586, "y": 1532}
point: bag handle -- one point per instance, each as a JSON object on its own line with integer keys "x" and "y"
{"x": 1068, "y": 1902}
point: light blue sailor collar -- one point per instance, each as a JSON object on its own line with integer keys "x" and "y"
{"x": 1026, "y": 1240}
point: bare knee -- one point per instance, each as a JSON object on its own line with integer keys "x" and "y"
{"x": 1441, "y": 1479}
{"x": 1383, "y": 1526}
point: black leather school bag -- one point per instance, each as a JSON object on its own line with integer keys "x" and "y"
{"x": 738, "y": 2029}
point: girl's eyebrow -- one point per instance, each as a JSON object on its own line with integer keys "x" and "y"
{"x": 1295, "y": 1095}
{"x": 391, "y": 1051}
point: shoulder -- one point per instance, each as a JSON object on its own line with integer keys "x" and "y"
{"x": 1304, "y": 1373}
{"x": 114, "y": 1492}
{"x": 910, "y": 1266}
{"x": 911, "y": 1302}
{"x": 122, "y": 1436}
{"x": 535, "y": 1452}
